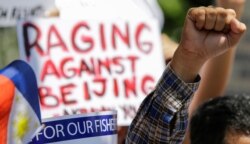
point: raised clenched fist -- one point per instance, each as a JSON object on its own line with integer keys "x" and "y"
{"x": 209, "y": 31}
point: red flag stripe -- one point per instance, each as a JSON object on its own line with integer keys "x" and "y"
{"x": 7, "y": 92}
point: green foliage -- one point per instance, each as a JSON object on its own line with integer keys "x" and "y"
{"x": 174, "y": 12}
{"x": 171, "y": 8}
{"x": 8, "y": 46}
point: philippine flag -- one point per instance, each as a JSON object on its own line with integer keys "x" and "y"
{"x": 20, "y": 114}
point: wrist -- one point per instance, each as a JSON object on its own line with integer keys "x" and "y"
{"x": 186, "y": 64}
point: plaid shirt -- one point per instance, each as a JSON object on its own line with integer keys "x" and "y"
{"x": 163, "y": 115}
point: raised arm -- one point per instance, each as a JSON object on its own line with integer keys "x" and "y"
{"x": 162, "y": 117}
{"x": 216, "y": 72}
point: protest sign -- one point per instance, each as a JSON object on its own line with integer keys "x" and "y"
{"x": 94, "y": 128}
{"x": 92, "y": 65}
{"x": 12, "y": 10}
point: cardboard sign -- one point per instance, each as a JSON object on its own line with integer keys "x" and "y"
{"x": 92, "y": 65}
{"x": 95, "y": 128}
{"x": 12, "y": 10}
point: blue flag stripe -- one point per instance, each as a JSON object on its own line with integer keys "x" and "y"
{"x": 24, "y": 79}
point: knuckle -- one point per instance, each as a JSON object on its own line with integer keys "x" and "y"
{"x": 201, "y": 13}
{"x": 200, "y": 19}
{"x": 211, "y": 12}
{"x": 202, "y": 7}
{"x": 191, "y": 10}
{"x": 222, "y": 14}
{"x": 220, "y": 9}
{"x": 197, "y": 13}
{"x": 231, "y": 12}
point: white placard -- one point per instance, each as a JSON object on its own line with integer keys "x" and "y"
{"x": 92, "y": 65}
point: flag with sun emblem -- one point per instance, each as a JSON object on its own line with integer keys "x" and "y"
{"x": 19, "y": 104}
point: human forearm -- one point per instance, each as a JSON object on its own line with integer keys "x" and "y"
{"x": 237, "y": 5}
{"x": 216, "y": 72}
{"x": 162, "y": 117}
{"x": 215, "y": 77}
{"x": 186, "y": 65}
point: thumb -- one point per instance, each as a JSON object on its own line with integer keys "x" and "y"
{"x": 237, "y": 27}
{"x": 237, "y": 30}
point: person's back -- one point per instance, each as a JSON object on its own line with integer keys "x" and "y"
{"x": 224, "y": 120}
